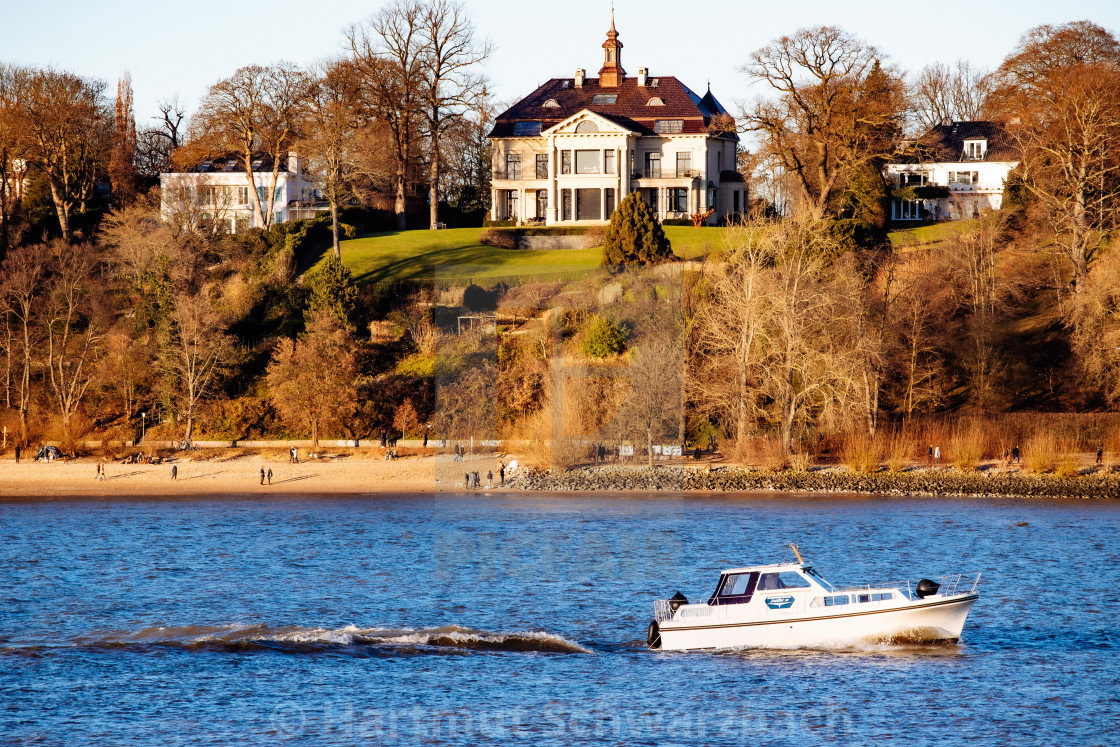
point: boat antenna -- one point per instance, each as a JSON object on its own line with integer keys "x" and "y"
{"x": 797, "y": 553}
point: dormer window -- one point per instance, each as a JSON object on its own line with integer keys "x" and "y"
{"x": 668, "y": 126}
{"x": 655, "y": 101}
{"x": 601, "y": 99}
{"x": 257, "y": 164}
{"x": 526, "y": 129}
{"x": 205, "y": 166}
{"x": 974, "y": 150}
{"x": 551, "y": 104}
{"x": 653, "y": 82}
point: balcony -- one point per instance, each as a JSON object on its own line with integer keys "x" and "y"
{"x": 659, "y": 173}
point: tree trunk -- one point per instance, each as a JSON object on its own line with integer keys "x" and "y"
{"x": 62, "y": 209}
{"x": 314, "y": 433}
{"x": 649, "y": 447}
{"x": 399, "y": 204}
{"x": 254, "y": 195}
{"x": 334, "y": 229}
{"x": 433, "y": 187}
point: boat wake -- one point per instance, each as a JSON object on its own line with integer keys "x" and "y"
{"x": 297, "y": 639}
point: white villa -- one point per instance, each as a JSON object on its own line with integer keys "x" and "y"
{"x": 965, "y": 163}
{"x": 568, "y": 153}
{"x": 218, "y": 191}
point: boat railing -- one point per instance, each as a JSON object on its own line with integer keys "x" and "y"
{"x": 949, "y": 585}
{"x": 662, "y": 611}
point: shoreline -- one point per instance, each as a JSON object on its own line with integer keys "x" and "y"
{"x": 435, "y": 475}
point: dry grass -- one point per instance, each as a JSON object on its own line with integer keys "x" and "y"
{"x": 862, "y": 453}
{"x": 761, "y": 452}
{"x": 967, "y": 447}
{"x": 900, "y": 451}
{"x": 1040, "y": 454}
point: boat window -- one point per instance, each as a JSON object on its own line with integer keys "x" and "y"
{"x": 864, "y": 598}
{"x": 885, "y": 597}
{"x": 735, "y": 588}
{"x": 820, "y": 579}
{"x": 736, "y": 585}
{"x": 836, "y": 600}
{"x": 783, "y": 580}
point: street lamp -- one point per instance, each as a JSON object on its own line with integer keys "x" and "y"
{"x": 143, "y": 425}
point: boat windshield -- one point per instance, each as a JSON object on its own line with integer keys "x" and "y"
{"x": 783, "y": 580}
{"x": 820, "y": 579}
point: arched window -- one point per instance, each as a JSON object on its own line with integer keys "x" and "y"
{"x": 587, "y": 126}
{"x": 655, "y": 101}
{"x": 551, "y": 104}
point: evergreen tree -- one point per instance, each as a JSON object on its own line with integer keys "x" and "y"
{"x": 634, "y": 236}
{"x": 333, "y": 290}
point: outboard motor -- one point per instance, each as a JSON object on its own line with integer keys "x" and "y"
{"x": 653, "y": 635}
{"x": 676, "y": 601}
{"x": 927, "y": 588}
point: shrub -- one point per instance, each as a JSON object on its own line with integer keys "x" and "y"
{"x": 862, "y": 453}
{"x": 499, "y": 238}
{"x": 634, "y": 236}
{"x": 603, "y": 339}
{"x": 966, "y": 449}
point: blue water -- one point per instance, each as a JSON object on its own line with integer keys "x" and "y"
{"x": 521, "y": 620}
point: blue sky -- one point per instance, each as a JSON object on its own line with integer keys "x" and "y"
{"x": 180, "y": 48}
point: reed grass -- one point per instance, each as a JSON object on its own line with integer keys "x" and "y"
{"x": 862, "y": 453}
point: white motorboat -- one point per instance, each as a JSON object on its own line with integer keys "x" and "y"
{"x": 789, "y": 605}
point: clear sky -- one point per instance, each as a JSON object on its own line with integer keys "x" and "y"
{"x": 176, "y": 48}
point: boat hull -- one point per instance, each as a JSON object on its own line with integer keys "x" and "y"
{"x": 928, "y": 620}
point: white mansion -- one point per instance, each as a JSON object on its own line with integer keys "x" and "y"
{"x": 966, "y": 164}
{"x": 217, "y": 191}
{"x": 569, "y": 152}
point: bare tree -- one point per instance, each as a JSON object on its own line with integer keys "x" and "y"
{"x": 13, "y": 155}
{"x": 21, "y": 282}
{"x": 942, "y": 93}
{"x": 311, "y": 380}
{"x": 255, "y": 112}
{"x": 122, "y": 162}
{"x": 653, "y": 402}
{"x": 327, "y": 144}
{"x": 155, "y": 145}
{"x": 67, "y": 125}
{"x": 74, "y": 329}
{"x": 389, "y": 52}
{"x": 451, "y": 84}
{"x": 1062, "y": 84}
{"x": 836, "y": 109}
{"x": 196, "y": 353}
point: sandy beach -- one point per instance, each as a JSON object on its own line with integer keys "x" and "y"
{"x": 236, "y": 475}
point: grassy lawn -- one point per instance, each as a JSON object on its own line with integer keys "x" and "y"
{"x": 931, "y": 234}
{"x": 456, "y": 255}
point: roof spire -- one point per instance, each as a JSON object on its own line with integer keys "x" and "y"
{"x": 612, "y": 74}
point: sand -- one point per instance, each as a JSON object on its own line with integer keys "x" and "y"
{"x": 237, "y": 475}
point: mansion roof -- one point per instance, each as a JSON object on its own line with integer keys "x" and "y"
{"x": 637, "y": 108}
{"x": 945, "y": 143}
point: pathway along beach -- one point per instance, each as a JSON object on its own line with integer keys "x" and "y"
{"x": 239, "y": 474}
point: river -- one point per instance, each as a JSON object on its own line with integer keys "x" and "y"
{"x": 521, "y": 620}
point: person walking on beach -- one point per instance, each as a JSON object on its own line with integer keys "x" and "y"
{"x": 269, "y": 475}
{"x": 489, "y": 479}
{"x": 175, "y": 472}
{"x": 1100, "y": 453}
{"x": 477, "y": 481}
{"x": 937, "y": 455}
{"x": 262, "y": 475}
{"x": 502, "y": 473}
{"x": 929, "y": 459}
{"x": 467, "y": 480}
{"x": 100, "y": 471}
{"x": 17, "y": 453}
{"x": 1015, "y": 454}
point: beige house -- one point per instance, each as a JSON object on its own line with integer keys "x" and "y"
{"x": 569, "y": 152}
